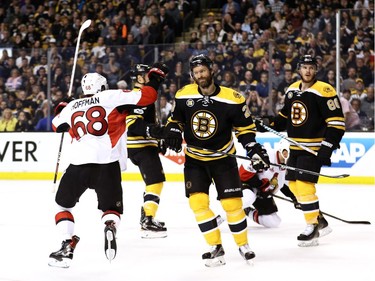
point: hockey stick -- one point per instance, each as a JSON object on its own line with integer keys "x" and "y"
{"x": 324, "y": 213}
{"x": 288, "y": 139}
{"x": 282, "y": 166}
{"x": 85, "y": 25}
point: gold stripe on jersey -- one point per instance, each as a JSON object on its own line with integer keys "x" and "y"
{"x": 318, "y": 88}
{"x": 139, "y": 142}
{"x": 205, "y": 155}
{"x": 245, "y": 130}
{"x": 226, "y": 95}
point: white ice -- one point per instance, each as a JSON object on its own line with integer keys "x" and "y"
{"x": 28, "y": 235}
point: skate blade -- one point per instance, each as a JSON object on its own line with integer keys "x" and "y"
{"x": 146, "y": 234}
{"x": 63, "y": 263}
{"x": 110, "y": 247}
{"x": 215, "y": 262}
{"x": 311, "y": 243}
{"x": 325, "y": 231}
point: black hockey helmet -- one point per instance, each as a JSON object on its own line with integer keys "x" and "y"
{"x": 139, "y": 69}
{"x": 307, "y": 59}
{"x": 200, "y": 60}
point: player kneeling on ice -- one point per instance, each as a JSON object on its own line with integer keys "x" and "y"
{"x": 96, "y": 124}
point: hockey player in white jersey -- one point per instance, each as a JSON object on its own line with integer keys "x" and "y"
{"x": 258, "y": 187}
{"x": 96, "y": 124}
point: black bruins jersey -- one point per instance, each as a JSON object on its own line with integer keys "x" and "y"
{"x": 208, "y": 121}
{"x": 136, "y": 122}
{"x": 311, "y": 116}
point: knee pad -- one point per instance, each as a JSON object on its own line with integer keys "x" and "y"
{"x": 231, "y": 205}
{"x": 199, "y": 201}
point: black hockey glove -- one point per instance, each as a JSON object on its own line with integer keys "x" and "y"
{"x": 154, "y": 131}
{"x": 265, "y": 120}
{"x": 162, "y": 147}
{"x": 162, "y": 66}
{"x": 258, "y": 156}
{"x": 173, "y": 137}
{"x": 325, "y": 152}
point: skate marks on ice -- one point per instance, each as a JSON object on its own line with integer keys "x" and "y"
{"x": 29, "y": 236}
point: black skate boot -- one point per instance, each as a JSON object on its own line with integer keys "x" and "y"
{"x": 143, "y": 215}
{"x": 63, "y": 257}
{"x": 215, "y": 256}
{"x": 246, "y": 252}
{"x": 309, "y": 237}
{"x": 323, "y": 227}
{"x": 248, "y": 210}
{"x": 151, "y": 228}
{"x": 110, "y": 246}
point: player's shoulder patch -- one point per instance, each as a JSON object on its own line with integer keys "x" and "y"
{"x": 231, "y": 95}
{"x": 324, "y": 89}
{"x": 187, "y": 90}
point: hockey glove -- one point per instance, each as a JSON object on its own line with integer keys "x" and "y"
{"x": 154, "y": 131}
{"x": 173, "y": 137}
{"x": 162, "y": 66}
{"x": 59, "y": 107}
{"x": 324, "y": 153}
{"x": 266, "y": 120}
{"x": 258, "y": 156}
{"x": 162, "y": 147}
{"x": 156, "y": 74}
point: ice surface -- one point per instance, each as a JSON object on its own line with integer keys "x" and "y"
{"x": 28, "y": 235}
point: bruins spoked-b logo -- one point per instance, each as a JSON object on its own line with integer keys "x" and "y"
{"x": 299, "y": 113}
{"x": 204, "y": 124}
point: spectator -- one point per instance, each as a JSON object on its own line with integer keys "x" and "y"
{"x": 165, "y": 109}
{"x": 23, "y": 123}
{"x": 262, "y": 86}
{"x": 352, "y": 121}
{"x": 14, "y": 81}
{"x": 254, "y": 102}
{"x": 7, "y": 121}
{"x": 112, "y": 71}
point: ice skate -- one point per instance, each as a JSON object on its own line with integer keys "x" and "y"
{"x": 247, "y": 253}
{"x": 63, "y": 257}
{"x": 309, "y": 237}
{"x": 323, "y": 227}
{"x": 248, "y": 211}
{"x": 110, "y": 246}
{"x": 143, "y": 215}
{"x": 151, "y": 228}
{"x": 215, "y": 256}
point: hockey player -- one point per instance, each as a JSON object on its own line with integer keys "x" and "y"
{"x": 98, "y": 154}
{"x": 207, "y": 113}
{"x": 143, "y": 149}
{"x": 259, "y": 186}
{"x": 312, "y": 116}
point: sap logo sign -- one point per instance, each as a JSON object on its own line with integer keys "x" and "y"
{"x": 350, "y": 152}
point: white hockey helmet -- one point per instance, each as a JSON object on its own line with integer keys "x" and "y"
{"x": 93, "y": 83}
{"x": 283, "y": 145}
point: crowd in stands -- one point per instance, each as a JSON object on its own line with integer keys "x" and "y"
{"x": 254, "y": 44}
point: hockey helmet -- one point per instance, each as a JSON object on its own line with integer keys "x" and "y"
{"x": 201, "y": 60}
{"x": 307, "y": 59}
{"x": 139, "y": 69}
{"x": 283, "y": 145}
{"x": 93, "y": 83}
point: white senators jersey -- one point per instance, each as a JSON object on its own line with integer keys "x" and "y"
{"x": 98, "y": 128}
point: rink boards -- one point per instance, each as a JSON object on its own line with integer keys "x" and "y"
{"x": 33, "y": 156}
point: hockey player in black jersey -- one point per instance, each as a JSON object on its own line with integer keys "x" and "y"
{"x": 312, "y": 116}
{"x": 143, "y": 151}
{"x": 207, "y": 114}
